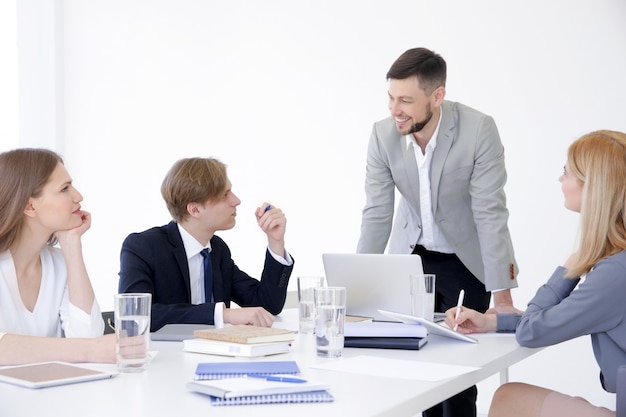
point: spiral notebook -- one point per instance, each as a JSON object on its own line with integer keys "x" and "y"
{"x": 222, "y": 370}
{"x": 243, "y": 391}
{"x": 304, "y": 397}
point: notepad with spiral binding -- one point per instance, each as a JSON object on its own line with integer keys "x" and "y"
{"x": 221, "y": 370}
{"x": 241, "y": 391}
{"x": 304, "y": 397}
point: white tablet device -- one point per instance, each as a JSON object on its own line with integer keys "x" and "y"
{"x": 430, "y": 326}
{"x": 48, "y": 374}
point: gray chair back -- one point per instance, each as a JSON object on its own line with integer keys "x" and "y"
{"x": 109, "y": 322}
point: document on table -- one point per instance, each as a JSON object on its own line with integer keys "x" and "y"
{"x": 396, "y": 368}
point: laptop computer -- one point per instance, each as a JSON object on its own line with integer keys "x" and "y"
{"x": 177, "y": 332}
{"x": 373, "y": 281}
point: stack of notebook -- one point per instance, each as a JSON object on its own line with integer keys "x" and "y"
{"x": 385, "y": 335}
{"x": 242, "y": 383}
{"x": 240, "y": 340}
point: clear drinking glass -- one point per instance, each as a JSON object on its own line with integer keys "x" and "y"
{"x": 422, "y": 291}
{"x": 306, "y": 302}
{"x": 330, "y": 314}
{"x": 132, "y": 330}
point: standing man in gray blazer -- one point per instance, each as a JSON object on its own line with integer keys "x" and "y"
{"x": 447, "y": 162}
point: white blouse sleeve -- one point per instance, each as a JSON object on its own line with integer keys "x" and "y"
{"x": 81, "y": 324}
{"x": 74, "y": 321}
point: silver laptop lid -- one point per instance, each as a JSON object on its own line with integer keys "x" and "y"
{"x": 373, "y": 281}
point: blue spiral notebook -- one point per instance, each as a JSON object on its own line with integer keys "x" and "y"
{"x": 221, "y": 370}
{"x": 242, "y": 391}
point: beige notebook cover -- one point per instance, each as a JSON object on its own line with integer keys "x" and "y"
{"x": 247, "y": 334}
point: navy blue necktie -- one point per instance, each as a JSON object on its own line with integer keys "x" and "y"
{"x": 208, "y": 276}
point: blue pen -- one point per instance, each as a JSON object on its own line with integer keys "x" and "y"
{"x": 269, "y": 206}
{"x": 277, "y": 378}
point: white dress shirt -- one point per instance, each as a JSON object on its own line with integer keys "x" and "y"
{"x": 431, "y": 237}
{"x": 196, "y": 272}
{"x": 195, "y": 263}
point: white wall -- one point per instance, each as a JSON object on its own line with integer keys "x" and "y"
{"x": 8, "y": 76}
{"x": 286, "y": 92}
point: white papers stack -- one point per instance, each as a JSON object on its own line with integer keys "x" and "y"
{"x": 384, "y": 329}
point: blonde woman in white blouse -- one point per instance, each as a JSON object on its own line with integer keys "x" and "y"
{"x": 48, "y": 310}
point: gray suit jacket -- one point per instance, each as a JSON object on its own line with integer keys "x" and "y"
{"x": 467, "y": 191}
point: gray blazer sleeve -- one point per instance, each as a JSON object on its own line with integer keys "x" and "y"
{"x": 558, "y": 313}
{"x": 378, "y": 212}
{"x": 561, "y": 311}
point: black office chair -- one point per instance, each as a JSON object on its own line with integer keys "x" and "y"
{"x": 620, "y": 406}
{"x": 109, "y": 322}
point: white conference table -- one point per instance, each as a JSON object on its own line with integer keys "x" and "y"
{"x": 161, "y": 391}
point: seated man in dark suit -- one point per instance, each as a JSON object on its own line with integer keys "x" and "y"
{"x": 188, "y": 270}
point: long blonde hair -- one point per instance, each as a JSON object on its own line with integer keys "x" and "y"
{"x": 598, "y": 161}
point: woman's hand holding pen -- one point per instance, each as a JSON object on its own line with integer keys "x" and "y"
{"x": 471, "y": 321}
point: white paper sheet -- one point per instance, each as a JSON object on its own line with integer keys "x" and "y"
{"x": 395, "y": 368}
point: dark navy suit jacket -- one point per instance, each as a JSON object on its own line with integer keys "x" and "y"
{"x": 155, "y": 261}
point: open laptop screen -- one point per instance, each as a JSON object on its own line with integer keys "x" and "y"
{"x": 373, "y": 281}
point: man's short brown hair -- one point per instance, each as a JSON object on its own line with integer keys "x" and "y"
{"x": 192, "y": 180}
{"x": 429, "y": 68}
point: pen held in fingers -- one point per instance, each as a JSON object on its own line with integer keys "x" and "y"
{"x": 459, "y": 306}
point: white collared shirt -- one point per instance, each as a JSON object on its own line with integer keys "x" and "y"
{"x": 431, "y": 237}
{"x": 195, "y": 263}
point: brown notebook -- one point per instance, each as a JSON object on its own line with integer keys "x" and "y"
{"x": 247, "y": 334}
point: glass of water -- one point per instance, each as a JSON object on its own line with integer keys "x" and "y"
{"x": 306, "y": 301}
{"x": 330, "y": 314}
{"x": 132, "y": 330}
{"x": 422, "y": 291}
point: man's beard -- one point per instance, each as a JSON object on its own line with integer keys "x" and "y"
{"x": 419, "y": 126}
